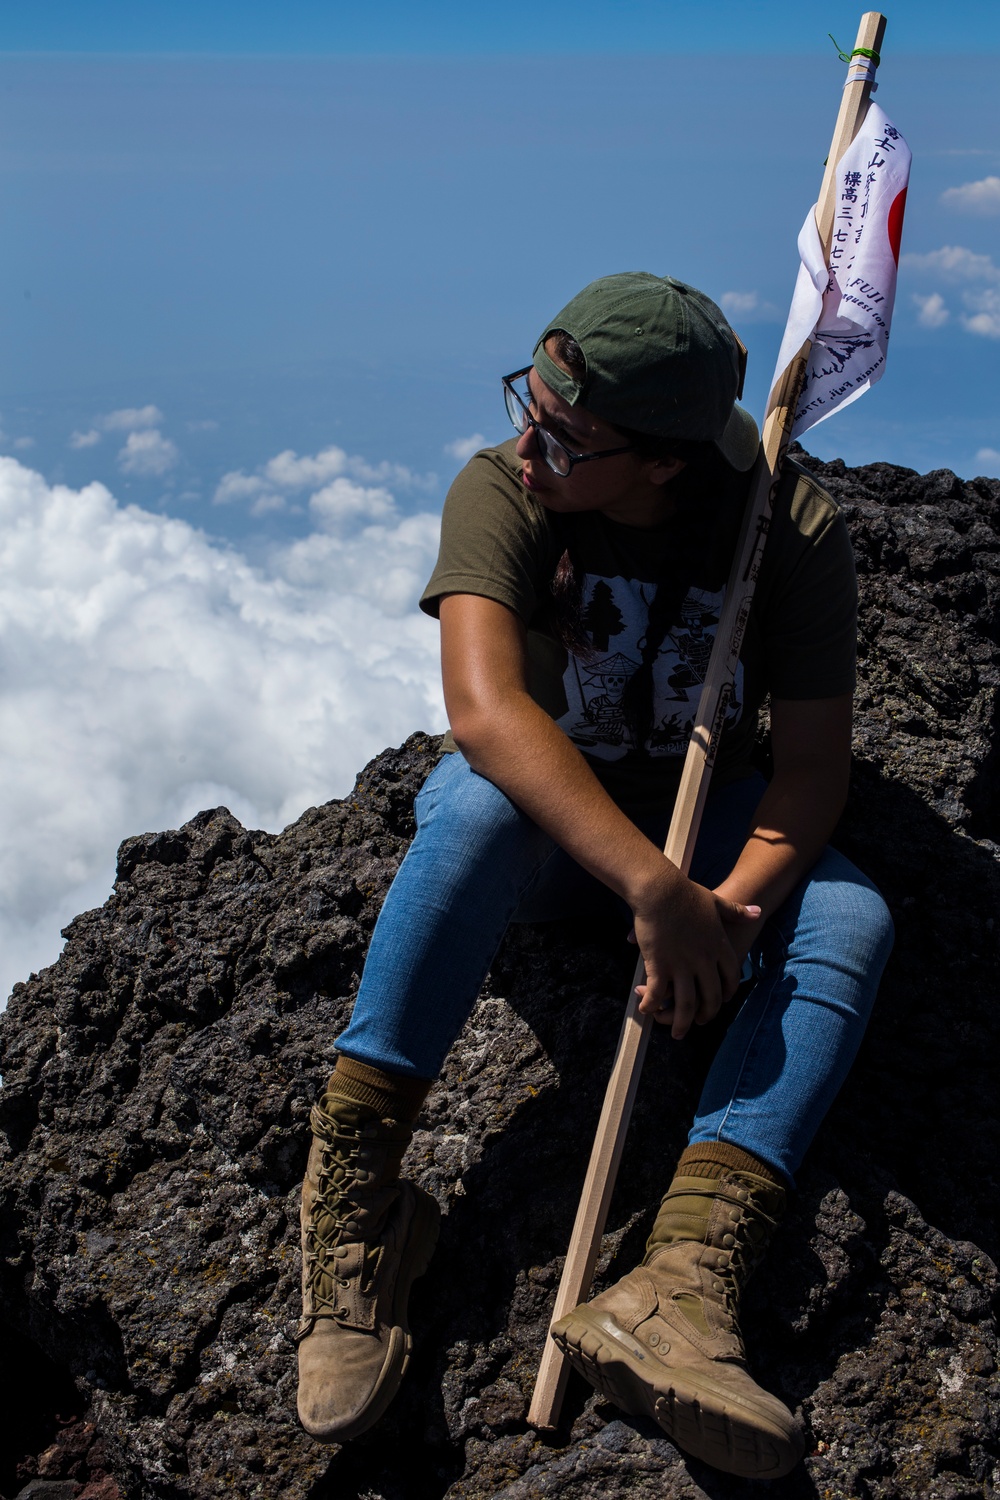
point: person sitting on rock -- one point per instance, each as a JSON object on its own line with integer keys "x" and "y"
{"x": 631, "y": 465}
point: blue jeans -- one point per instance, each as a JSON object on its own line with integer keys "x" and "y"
{"x": 477, "y": 863}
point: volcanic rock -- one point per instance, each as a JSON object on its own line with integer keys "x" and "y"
{"x": 157, "y": 1082}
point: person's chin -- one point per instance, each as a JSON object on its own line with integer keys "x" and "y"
{"x": 548, "y": 498}
{"x": 545, "y": 494}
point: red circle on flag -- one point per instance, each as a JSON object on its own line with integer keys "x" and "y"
{"x": 895, "y": 225}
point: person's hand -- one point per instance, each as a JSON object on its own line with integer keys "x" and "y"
{"x": 742, "y": 929}
{"x": 693, "y": 943}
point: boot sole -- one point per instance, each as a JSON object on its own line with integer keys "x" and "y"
{"x": 425, "y": 1228}
{"x": 700, "y": 1416}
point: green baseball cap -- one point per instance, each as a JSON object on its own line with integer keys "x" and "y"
{"x": 661, "y": 359}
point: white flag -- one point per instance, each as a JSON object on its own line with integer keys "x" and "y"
{"x": 843, "y": 302}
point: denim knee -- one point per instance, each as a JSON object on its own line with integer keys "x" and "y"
{"x": 867, "y": 926}
{"x": 456, "y": 802}
{"x": 851, "y": 926}
{"x": 837, "y": 917}
{"x": 789, "y": 1048}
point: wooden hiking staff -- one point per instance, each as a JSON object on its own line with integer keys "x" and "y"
{"x": 612, "y": 1127}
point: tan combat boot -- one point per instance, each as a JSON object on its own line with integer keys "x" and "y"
{"x": 366, "y": 1237}
{"x": 664, "y": 1341}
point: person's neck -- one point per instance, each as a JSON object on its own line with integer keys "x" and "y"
{"x": 643, "y": 512}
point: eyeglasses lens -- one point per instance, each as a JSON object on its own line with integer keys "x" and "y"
{"x": 553, "y": 452}
{"x": 515, "y": 410}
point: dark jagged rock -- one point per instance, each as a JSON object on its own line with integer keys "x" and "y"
{"x": 158, "y": 1078}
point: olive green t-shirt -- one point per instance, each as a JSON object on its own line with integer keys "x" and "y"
{"x": 499, "y": 542}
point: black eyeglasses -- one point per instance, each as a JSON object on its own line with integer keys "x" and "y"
{"x": 558, "y": 457}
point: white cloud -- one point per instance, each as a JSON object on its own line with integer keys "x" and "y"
{"x": 982, "y": 197}
{"x": 265, "y": 504}
{"x": 287, "y": 473}
{"x": 24, "y": 442}
{"x": 147, "y": 453}
{"x": 933, "y": 313}
{"x": 734, "y": 303}
{"x": 395, "y": 474}
{"x": 130, "y": 418}
{"x": 237, "y": 486}
{"x": 149, "y": 672}
{"x": 983, "y": 316}
{"x": 343, "y": 502}
{"x": 966, "y": 268}
{"x": 955, "y": 263}
{"x": 462, "y": 449}
{"x": 988, "y": 455}
{"x": 340, "y": 503}
{"x": 747, "y": 307}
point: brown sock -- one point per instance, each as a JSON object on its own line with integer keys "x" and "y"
{"x": 396, "y": 1096}
{"x": 712, "y": 1158}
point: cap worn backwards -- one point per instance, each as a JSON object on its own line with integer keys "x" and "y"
{"x": 660, "y": 359}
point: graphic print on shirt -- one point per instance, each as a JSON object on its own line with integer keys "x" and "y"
{"x": 615, "y": 616}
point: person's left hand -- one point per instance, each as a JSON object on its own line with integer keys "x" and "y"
{"x": 741, "y": 931}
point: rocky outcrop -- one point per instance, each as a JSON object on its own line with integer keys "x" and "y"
{"x": 157, "y": 1082}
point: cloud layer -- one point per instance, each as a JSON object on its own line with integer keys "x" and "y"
{"x": 148, "y": 672}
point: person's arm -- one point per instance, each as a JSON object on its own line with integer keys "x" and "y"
{"x": 811, "y": 745}
{"x": 682, "y": 929}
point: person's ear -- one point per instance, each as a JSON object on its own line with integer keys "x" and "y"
{"x": 665, "y": 469}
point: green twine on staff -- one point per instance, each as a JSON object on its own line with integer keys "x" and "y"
{"x": 858, "y": 52}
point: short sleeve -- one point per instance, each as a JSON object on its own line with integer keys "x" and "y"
{"x": 810, "y": 595}
{"x": 494, "y": 537}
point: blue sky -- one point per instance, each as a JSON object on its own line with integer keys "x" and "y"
{"x": 262, "y": 268}
{"x": 284, "y": 252}
{"x": 457, "y": 27}
{"x": 277, "y": 250}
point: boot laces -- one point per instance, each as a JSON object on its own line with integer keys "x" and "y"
{"x": 340, "y": 1191}
{"x": 750, "y": 1233}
